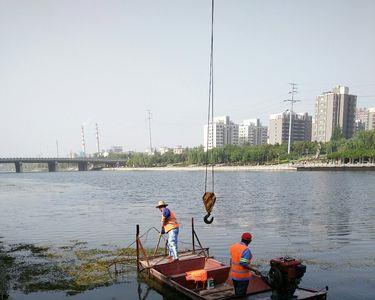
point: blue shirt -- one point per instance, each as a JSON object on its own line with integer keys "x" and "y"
{"x": 166, "y": 212}
{"x": 246, "y": 256}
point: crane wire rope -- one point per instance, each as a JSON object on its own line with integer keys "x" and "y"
{"x": 209, "y": 198}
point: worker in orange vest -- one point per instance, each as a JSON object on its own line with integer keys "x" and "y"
{"x": 169, "y": 225}
{"x": 240, "y": 257}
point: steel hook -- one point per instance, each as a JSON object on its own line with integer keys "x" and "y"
{"x": 206, "y": 220}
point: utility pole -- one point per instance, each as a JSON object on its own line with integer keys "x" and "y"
{"x": 83, "y": 143}
{"x": 97, "y": 139}
{"x": 292, "y": 101}
{"x": 149, "y": 118}
{"x": 57, "y": 149}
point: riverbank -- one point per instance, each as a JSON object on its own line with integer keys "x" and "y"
{"x": 281, "y": 167}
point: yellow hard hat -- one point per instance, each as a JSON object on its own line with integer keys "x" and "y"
{"x": 161, "y": 203}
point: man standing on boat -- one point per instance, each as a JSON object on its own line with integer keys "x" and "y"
{"x": 240, "y": 257}
{"x": 170, "y": 226}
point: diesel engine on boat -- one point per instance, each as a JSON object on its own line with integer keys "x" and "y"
{"x": 285, "y": 275}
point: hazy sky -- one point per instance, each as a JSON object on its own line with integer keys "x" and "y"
{"x": 68, "y": 63}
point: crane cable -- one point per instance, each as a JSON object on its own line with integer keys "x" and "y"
{"x": 209, "y": 198}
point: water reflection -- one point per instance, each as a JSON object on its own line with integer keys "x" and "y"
{"x": 141, "y": 295}
{"x": 335, "y": 207}
{"x": 146, "y": 287}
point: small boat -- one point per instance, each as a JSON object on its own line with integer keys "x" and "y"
{"x": 216, "y": 284}
{"x": 173, "y": 274}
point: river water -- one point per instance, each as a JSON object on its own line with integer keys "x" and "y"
{"x": 325, "y": 218}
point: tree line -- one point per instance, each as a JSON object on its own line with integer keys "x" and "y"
{"x": 359, "y": 148}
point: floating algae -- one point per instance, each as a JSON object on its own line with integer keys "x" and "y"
{"x": 6, "y": 263}
{"x": 78, "y": 243}
{"x": 92, "y": 253}
{"x": 71, "y": 268}
{"x": 35, "y": 250}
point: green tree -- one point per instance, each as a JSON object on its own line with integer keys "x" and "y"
{"x": 337, "y": 134}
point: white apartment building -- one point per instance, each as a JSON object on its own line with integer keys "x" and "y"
{"x": 251, "y": 132}
{"x": 359, "y": 126}
{"x": 264, "y": 135}
{"x": 278, "y": 130}
{"x": 163, "y": 150}
{"x": 178, "y": 149}
{"x": 221, "y": 132}
{"x": 334, "y": 109}
{"x": 371, "y": 118}
{"x": 116, "y": 149}
{"x": 362, "y": 117}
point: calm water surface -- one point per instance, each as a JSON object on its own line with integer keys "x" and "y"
{"x": 325, "y": 218}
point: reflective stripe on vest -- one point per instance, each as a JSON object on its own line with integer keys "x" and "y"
{"x": 237, "y": 271}
{"x": 170, "y": 223}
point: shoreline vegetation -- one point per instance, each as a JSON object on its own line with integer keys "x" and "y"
{"x": 339, "y": 151}
{"x": 203, "y": 168}
{"x": 357, "y": 152}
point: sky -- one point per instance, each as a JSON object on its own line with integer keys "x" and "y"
{"x": 64, "y": 64}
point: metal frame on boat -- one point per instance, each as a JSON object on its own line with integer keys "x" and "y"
{"x": 172, "y": 274}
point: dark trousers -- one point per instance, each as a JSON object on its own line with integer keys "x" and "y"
{"x": 240, "y": 287}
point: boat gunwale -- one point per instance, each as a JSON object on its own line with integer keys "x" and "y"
{"x": 196, "y": 252}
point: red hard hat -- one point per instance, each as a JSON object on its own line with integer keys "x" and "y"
{"x": 247, "y": 236}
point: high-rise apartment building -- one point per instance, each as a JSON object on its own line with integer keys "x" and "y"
{"x": 222, "y": 132}
{"x": 333, "y": 109}
{"x": 264, "y": 135}
{"x": 359, "y": 126}
{"x": 371, "y": 118}
{"x": 362, "y": 116}
{"x": 251, "y": 132}
{"x": 278, "y": 130}
{"x": 248, "y": 132}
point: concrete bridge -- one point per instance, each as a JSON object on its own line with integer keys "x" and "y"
{"x": 82, "y": 162}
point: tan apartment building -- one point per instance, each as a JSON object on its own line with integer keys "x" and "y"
{"x": 361, "y": 117}
{"x": 336, "y": 108}
{"x": 371, "y": 118}
{"x": 278, "y": 129}
{"x": 251, "y": 132}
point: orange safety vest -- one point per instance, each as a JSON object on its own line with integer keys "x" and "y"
{"x": 170, "y": 223}
{"x": 197, "y": 275}
{"x": 238, "y": 272}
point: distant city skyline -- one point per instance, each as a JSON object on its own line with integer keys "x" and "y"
{"x": 73, "y": 63}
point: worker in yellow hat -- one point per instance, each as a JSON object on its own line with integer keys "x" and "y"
{"x": 169, "y": 225}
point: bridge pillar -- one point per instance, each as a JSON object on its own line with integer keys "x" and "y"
{"x": 83, "y": 166}
{"x": 18, "y": 165}
{"x": 52, "y": 166}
